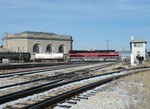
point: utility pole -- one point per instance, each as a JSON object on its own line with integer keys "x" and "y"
{"x": 107, "y": 44}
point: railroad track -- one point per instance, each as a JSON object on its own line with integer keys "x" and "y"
{"x": 51, "y": 86}
{"x": 53, "y": 101}
{"x": 45, "y": 87}
{"x": 58, "y": 71}
{"x": 4, "y": 98}
{"x": 32, "y": 71}
{"x": 69, "y": 75}
{"x": 11, "y": 66}
{"x": 28, "y": 65}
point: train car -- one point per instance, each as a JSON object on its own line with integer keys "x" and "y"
{"x": 49, "y": 56}
{"x": 96, "y": 55}
{"x": 15, "y": 56}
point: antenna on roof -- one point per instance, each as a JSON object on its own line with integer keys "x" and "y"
{"x": 132, "y": 37}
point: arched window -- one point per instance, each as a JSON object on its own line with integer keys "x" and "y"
{"x": 61, "y": 49}
{"x": 49, "y": 49}
{"x": 36, "y": 48}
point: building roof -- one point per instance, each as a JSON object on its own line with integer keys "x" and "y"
{"x": 138, "y": 41}
{"x": 37, "y": 35}
{"x": 32, "y": 32}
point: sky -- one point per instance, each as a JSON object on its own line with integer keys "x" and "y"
{"x": 99, "y": 24}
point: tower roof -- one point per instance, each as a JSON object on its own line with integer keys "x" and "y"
{"x": 138, "y": 41}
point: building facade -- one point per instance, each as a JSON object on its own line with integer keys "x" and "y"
{"x": 138, "y": 49}
{"x": 37, "y": 42}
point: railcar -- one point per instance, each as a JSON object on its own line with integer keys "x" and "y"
{"x": 97, "y": 55}
{"x": 15, "y": 56}
{"x": 49, "y": 56}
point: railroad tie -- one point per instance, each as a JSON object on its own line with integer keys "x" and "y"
{"x": 82, "y": 97}
{"x": 75, "y": 99}
{"x": 64, "y": 106}
{"x": 91, "y": 94}
{"x": 71, "y": 102}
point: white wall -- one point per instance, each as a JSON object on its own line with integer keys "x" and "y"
{"x": 138, "y": 50}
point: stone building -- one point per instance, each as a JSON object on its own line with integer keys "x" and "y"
{"x": 37, "y": 42}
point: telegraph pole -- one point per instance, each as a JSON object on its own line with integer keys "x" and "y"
{"x": 107, "y": 44}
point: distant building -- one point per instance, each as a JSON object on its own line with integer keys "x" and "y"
{"x": 37, "y": 42}
{"x": 124, "y": 55}
{"x": 138, "y": 49}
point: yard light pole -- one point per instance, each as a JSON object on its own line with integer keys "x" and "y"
{"x": 107, "y": 45}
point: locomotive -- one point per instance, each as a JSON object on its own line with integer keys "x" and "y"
{"x": 15, "y": 56}
{"x": 96, "y": 55}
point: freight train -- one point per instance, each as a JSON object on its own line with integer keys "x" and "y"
{"x": 25, "y": 56}
{"x": 15, "y": 56}
{"x": 96, "y": 55}
{"x": 73, "y": 55}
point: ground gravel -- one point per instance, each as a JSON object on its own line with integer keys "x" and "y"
{"x": 131, "y": 92}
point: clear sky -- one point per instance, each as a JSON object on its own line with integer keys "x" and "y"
{"x": 91, "y": 23}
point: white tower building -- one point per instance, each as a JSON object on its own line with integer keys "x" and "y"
{"x": 138, "y": 48}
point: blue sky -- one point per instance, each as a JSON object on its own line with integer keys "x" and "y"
{"x": 90, "y": 22}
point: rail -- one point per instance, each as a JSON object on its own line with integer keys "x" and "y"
{"x": 51, "y": 102}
